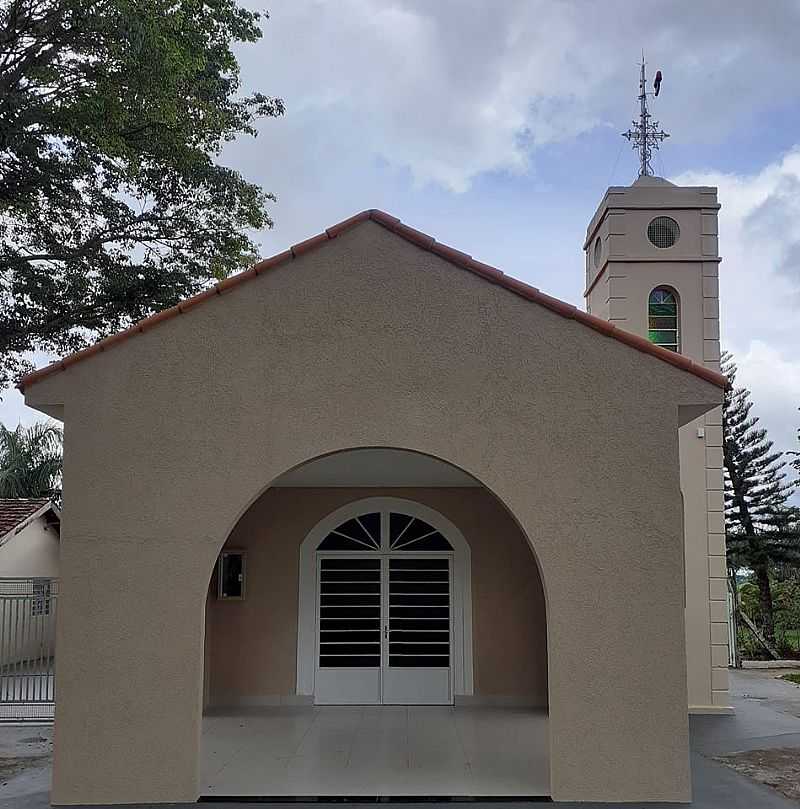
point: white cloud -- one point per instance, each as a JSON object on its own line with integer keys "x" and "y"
{"x": 775, "y": 381}
{"x": 451, "y": 89}
{"x": 760, "y": 286}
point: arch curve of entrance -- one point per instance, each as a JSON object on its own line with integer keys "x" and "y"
{"x": 233, "y": 517}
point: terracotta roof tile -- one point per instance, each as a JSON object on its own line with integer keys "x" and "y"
{"x": 422, "y": 240}
{"x": 15, "y": 510}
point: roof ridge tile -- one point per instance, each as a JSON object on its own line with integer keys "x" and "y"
{"x": 309, "y": 244}
{"x": 336, "y": 229}
{"x": 412, "y": 235}
{"x": 272, "y": 261}
{"x": 422, "y": 240}
{"x": 450, "y": 254}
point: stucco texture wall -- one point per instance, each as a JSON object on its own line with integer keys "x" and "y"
{"x": 253, "y": 643}
{"x": 369, "y": 341}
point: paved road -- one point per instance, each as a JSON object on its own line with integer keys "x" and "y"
{"x": 767, "y": 716}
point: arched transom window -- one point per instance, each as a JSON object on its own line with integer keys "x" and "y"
{"x": 401, "y": 532}
{"x": 662, "y": 317}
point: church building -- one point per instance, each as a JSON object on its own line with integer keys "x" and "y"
{"x": 373, "y": 518}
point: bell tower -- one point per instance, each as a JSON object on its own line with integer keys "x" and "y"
{"x": 652, "y": 268}
{"x": 654, "y": 235}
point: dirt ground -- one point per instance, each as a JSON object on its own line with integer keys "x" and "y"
{"x": 778, "y": 768}
{"x": 26, "y": 755}
{"x": 9, "y": 767}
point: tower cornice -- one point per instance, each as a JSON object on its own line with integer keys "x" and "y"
{"x": 667, "y": 197}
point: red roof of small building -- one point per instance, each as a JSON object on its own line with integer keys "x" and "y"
{"x": 423, "y": 241}
{"x": 15, "y": 510}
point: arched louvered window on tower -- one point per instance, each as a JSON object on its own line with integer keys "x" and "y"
{"x": 663, "y": 317}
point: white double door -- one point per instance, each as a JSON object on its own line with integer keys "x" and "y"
{"x": 384, "y": 629}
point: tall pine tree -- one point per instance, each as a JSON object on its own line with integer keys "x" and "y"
{"x": 760, "y": 524}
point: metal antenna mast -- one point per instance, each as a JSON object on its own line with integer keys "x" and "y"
{"x": 645, "y": 136}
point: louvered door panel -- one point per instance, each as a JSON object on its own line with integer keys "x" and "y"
{"x": 350, "y": 629}
{"x": 350, "y": 613}
{"x": 419, "y": 613}
{"x": 417, "y": 662}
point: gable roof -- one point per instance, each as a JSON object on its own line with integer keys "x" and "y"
{"x": 425, "y": 242}
{"x": 15, "y": 512}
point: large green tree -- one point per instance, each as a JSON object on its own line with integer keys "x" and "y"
{"x": 30, "y": 461}
{"x": 761, "y": 525}
{"x": 113, "y": 114}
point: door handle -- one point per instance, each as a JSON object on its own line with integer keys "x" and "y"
{"x": 386, "y": 631}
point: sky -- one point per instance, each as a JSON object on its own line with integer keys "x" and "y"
{"x": 494, "y": 126}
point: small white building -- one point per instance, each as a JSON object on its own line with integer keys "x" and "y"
{"x": 29, "y": 538}
{"x": 30, "y": 531}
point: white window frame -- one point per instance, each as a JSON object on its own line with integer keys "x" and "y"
{"x": 220, "y": 564}
{"x": 42, "y": 595}
{"x": 462, "y": 663}
{"x": 678, "y": 314}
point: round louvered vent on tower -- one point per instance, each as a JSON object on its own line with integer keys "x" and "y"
{"x": 663, "y": 231}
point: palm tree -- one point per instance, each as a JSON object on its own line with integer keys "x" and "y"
{"x": 30, "y": 460}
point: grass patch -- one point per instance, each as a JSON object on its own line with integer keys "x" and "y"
{"x": 792, "y": 678}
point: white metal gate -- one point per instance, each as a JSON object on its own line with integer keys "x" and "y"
{"x": 27, "y": 649}
{"x": 384, "y": 612}
{"x": 384, "y": 629}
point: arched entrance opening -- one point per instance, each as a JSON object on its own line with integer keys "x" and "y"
{"x": 371, "y": 597}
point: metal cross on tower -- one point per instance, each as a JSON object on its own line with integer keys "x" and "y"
{"x": 645, "y": 135}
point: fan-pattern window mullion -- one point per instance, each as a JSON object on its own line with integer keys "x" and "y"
{"x": 362, "y": 533}
{"x": 406, "y": 533}
{"x": 413, "y": 534}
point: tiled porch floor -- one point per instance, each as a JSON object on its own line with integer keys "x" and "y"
{"x": 382, "y": 750}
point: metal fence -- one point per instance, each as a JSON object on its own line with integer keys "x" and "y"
{"x": 733, "y": 633}
{"x": 27, "y": 649}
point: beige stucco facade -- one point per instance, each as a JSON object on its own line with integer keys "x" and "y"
{"x": 619, "y": 279}
{"x": 369, "y": 341}
{"x": 252, "y": 644}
